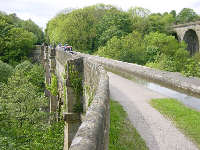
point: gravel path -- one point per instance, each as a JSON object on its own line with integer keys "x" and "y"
{"x": 158, "y": 132}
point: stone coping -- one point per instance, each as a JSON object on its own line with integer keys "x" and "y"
{"x": 174, "y": 80}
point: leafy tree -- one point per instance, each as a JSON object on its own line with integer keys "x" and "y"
{"x": 30, "y": 26}
{"x": 159, "y": 23}
{"x": 5, "y": 72}
{"x": 173, "y": 13}
{"x": 85, "y": 28}
{"x": 112, "y": 24}
{"x": 23, "y": 121}
{"x": 165, "y": 52}
{"x": 16, "y": 42}
{"x": 129, "y": 48}
{"x": 187, "y": 15}
{"x": 139, "y": 18}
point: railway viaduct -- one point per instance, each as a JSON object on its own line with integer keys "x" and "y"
{"x": 190, "y": 33}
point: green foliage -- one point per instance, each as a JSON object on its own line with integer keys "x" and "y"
{"x": 115, "y": 23}
{"x": 186, "y": 119}
{"x": 90, "y": 94}
{"x": 16, "y": 41}
{"x": 53, "y": 87}
{"x": 88, "y": 28}
{"x": 165, "y": 52}
{"x": 187, "y": 15}
{"x": 5, "y": 72}
{"x": 173, "y": 13}
{"x": 158, "y": 22}
{"x": 76, "y": 28}
{"x": 129, "y": 48}
{"x": 23, "y": 121}
{"x": 30, "y": 26}
{"x": 24, "y": 67}
{"x": 36, "y": 77}
{"x": 192, "y": 66}
{"x": 123, "y": 135}
{"x": 76, "y": 82}
{"x": 136, "y": 36}
{"x": 33, "y": 73}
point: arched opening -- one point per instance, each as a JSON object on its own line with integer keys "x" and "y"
{"x": 175, "y": 35}
{"x": 192, "y": 41}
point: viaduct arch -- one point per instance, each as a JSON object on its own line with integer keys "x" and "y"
{"x": 190, "y": 33}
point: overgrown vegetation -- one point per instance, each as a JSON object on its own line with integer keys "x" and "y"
{"x": 186, "y": 119}
{"x": 136, "y": 36}
{"x": 23, "y": 111}
{"x": 5, "y": 71}
{"x": 123, "y": 136}
{"x": 75, "y": 80}
{"x": 53, "y": 87}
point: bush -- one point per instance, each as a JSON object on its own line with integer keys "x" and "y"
{"x": 129, "y": 48}
{"x": 23, "y": 123}
{"x": 5, "y": 71}
{"x": 192, "y": 66}
{"x": 33, "y": 73}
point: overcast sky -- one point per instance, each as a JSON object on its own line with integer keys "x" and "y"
{"x": 40, "y": 11}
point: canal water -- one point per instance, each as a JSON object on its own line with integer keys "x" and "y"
{"x": 190, "y": 101}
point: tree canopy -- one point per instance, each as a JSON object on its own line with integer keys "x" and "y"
{"x": 17, "y": 38}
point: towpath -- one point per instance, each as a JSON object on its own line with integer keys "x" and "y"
{"x": 158, "y": 132}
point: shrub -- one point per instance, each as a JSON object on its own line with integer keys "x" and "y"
{"x": 5, "y": 71}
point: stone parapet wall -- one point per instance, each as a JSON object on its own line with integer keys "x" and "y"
{"x": 172, "y": 80}
{"x": 94, "y": 130}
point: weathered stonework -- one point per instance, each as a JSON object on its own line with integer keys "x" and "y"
{"x": 93, "y": 98}
{"x": 169, "y": 79}
{"x": 190, "y": 33}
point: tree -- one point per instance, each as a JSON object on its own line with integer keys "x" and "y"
{"x": 165, "y": 52}
{"x": 173, "y": 13}
{"x": 16, "y": 42}
{"x": 112, "y": 24}
{"x": 187, "y": 15}
{"x": 30, "y": 26}
{"x": 5, "y": 72}
{"x": 129, "y": 48}
{"x": 23, "y": 121}
{"x": 159, "y": 22}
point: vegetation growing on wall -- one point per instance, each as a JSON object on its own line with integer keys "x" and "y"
{"x": 90, "y": 94}
{"x": 53, "y": 87}
{"x": 75, "y": 80}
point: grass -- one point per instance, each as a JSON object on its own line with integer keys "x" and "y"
{"x": 123, "y": 136}
{"x": 186, "y": 119}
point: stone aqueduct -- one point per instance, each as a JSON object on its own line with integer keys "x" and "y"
{"x": 91, "y": 130}
{"x": 190, "y": 33}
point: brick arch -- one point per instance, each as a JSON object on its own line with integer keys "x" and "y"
{"x": 192, "y": 40}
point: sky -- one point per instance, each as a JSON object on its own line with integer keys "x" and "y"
{"x": 41, "y": 11}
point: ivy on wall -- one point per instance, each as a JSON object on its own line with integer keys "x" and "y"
{"x": 53, "y": 87}
{"x": 76, "y": 83}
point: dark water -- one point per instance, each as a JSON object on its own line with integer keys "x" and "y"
{"x": 190, "y": 101}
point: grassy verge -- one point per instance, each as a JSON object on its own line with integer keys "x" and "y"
{"x": 186, "y": 119}
{"x": 123, "y": 136}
